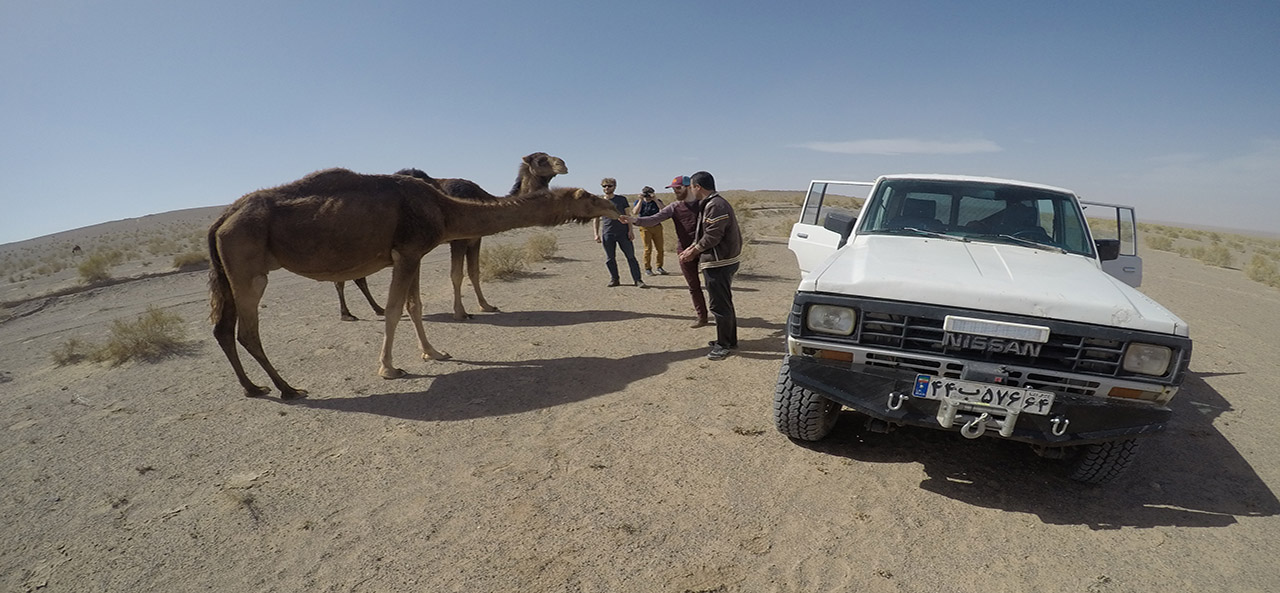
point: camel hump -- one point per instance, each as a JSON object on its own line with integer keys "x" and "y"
{"x": 464, "y": 188}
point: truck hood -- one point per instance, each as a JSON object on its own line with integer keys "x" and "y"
{"x": 989, "y": 277}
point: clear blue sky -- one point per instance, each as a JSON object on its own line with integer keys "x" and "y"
{"x": 110, "y": 110}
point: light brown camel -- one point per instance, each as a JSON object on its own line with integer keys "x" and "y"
{"x": 536, "y": 172}
{"x": 336, "y": 225}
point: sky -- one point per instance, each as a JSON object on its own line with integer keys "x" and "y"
{"x": 113, "y": 110}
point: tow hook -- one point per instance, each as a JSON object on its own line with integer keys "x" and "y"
{"x": 1059, "y": 425}
{"x": 896, "y": 399}
{"x": 974, "y": 428}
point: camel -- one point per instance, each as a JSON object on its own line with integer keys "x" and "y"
{"x": 535, "y": 173}
{"x": 336, "y": 225}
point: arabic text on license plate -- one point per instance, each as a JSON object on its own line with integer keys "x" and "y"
{"x": 1016, "y": 399}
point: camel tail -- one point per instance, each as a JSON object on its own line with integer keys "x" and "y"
{"x": 220, "y": 296}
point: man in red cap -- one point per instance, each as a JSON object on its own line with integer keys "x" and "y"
{"x": 683, "y": 211}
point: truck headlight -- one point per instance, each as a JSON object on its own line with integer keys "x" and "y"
{"x": 1147, "y": 359}
{"x": 829, "y": 319}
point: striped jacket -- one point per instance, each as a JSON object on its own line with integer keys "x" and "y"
{"x": 718, "y": 238}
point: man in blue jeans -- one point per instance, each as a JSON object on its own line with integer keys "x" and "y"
{"x": 617, "y": 234}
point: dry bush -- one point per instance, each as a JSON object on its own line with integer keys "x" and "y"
{"x": 502, "y": 262}
{"x": 1213, "y": 255}
{"x": 1159, "y": 242}
{"x": 1261, "y": 269}
{"x": 193, "y": 260}
{"x": 151, "y": 337}
{"x": 71, "y": 352}
{"x": 97, "y": 267}
{"x": 541, "y": 247}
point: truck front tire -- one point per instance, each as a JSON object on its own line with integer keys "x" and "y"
{"x": 800, "y": 413}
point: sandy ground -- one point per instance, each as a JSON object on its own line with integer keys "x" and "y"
{"x": 580, "y": 441}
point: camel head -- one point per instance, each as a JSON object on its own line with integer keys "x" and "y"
{"x": 574, "y": 204}
{"x": 544, "y": 165}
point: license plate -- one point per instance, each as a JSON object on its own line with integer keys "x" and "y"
{"x": 1014, "y": 399}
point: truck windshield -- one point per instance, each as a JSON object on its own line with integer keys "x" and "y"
{"x": 977, "y": 211}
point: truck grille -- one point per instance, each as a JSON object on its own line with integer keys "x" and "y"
{"x": 914, "y": 334}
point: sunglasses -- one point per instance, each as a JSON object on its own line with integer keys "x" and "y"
{"x": 608, "y": 186}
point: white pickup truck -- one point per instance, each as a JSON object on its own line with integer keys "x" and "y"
{"x": 985, "y": 306}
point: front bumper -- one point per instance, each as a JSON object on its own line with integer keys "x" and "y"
{"x": 870, "y": 390}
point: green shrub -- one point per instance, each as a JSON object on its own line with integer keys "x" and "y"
{"x": 502, "y": 262}
{"x": 540, "y": 247}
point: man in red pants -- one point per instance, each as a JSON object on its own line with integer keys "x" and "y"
{"x": 683, "y": 211}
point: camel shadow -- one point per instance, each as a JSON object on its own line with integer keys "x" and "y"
{"x": 1188, "y": 476}
{"x": 487, "y": 389}
{"x": 549, "y": 318}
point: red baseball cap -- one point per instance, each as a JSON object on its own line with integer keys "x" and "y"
{"x": 680, "y": 181}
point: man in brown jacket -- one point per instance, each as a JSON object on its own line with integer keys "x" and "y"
{"x": 717, "y": 245}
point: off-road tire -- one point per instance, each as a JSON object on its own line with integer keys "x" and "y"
{"x": 800, "y": 413}
{"x": 1103, "y": 462}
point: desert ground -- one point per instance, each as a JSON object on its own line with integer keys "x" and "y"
{"x": 580, "y": 441}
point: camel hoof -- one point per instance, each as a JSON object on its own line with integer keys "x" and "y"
{"x": 489, "y": 309}
{"x": 380, "y": 312}
{"x": 350, "y": 317}
{"x": 256, "y": 391}
{"x": 392, "y": 373}
{"x": 293, "y": 394}
{"x": 437, "y": 355}
{"x": 461, "y": 316}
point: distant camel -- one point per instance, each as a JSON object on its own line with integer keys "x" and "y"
{"x": 76, "y": 250}
{"x": 336, "y": 225}
{"x": 535, "y": 173}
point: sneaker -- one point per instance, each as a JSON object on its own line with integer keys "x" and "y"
{"x": 641, "y": 284}
{"x": 715, "y": 344}
{"x": 612, "y": 283}
{"x": 701, "y": 322}
{"x": 718, "y": 353}
{"x": 661, "y": 272}
{"x": 649, "y": 272}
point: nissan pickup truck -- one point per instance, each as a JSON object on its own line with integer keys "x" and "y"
{"x": 984, "y": 306}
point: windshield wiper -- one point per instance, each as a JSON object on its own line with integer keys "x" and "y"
{"x": 929, "y": 233}
{"x": 1030, "y": 243}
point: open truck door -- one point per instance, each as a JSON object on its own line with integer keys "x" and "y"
{"x": 1116, "y": 222}
{"x": 826, "y": 220}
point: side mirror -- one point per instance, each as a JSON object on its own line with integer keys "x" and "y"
{"x": 1108, "y": 249}
{"x": 841, "y": 221}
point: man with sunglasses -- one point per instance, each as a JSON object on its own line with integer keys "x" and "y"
{"x": 614, "y": 234}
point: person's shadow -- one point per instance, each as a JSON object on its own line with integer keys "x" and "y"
{"x": 1188, "y": 476}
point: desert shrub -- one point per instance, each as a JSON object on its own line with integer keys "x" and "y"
{"x": 745, "y": 213}
{"x": 162, "y": 246}
{"x": 152, "y": 336}
{"x": 1261, "y": 269}
{"x": 71, "y": 352}
{"x": 502, "y": 262}
{"x": 97, "y": 267}
{"x": 541, "y": 246}
{"x": 1159, "y": 242}
{"x": 1213, "y": 255}
{"x": 192, "y": 260}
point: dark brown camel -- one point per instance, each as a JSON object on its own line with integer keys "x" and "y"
{"x": 536, "y": 172}
{"x": 336, "y": 225}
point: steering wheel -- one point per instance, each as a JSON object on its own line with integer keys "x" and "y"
{"x": 1035, "y": 234}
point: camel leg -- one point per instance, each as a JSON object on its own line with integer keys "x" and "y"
{"x": 403, "y": 271}
{"x": 224, "y": 330}
{"x": 457, "y": 258}
{"x": 473, "y": 272}
{"x": 343, "y": 311}
{"x": 248, "y": 294}
{"x": 414, "y": 302}
{"x": 363, "y": 285}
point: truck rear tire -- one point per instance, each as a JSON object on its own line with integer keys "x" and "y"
{"x": 1100, "y": 463}
{"x": 800, "y": 413}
